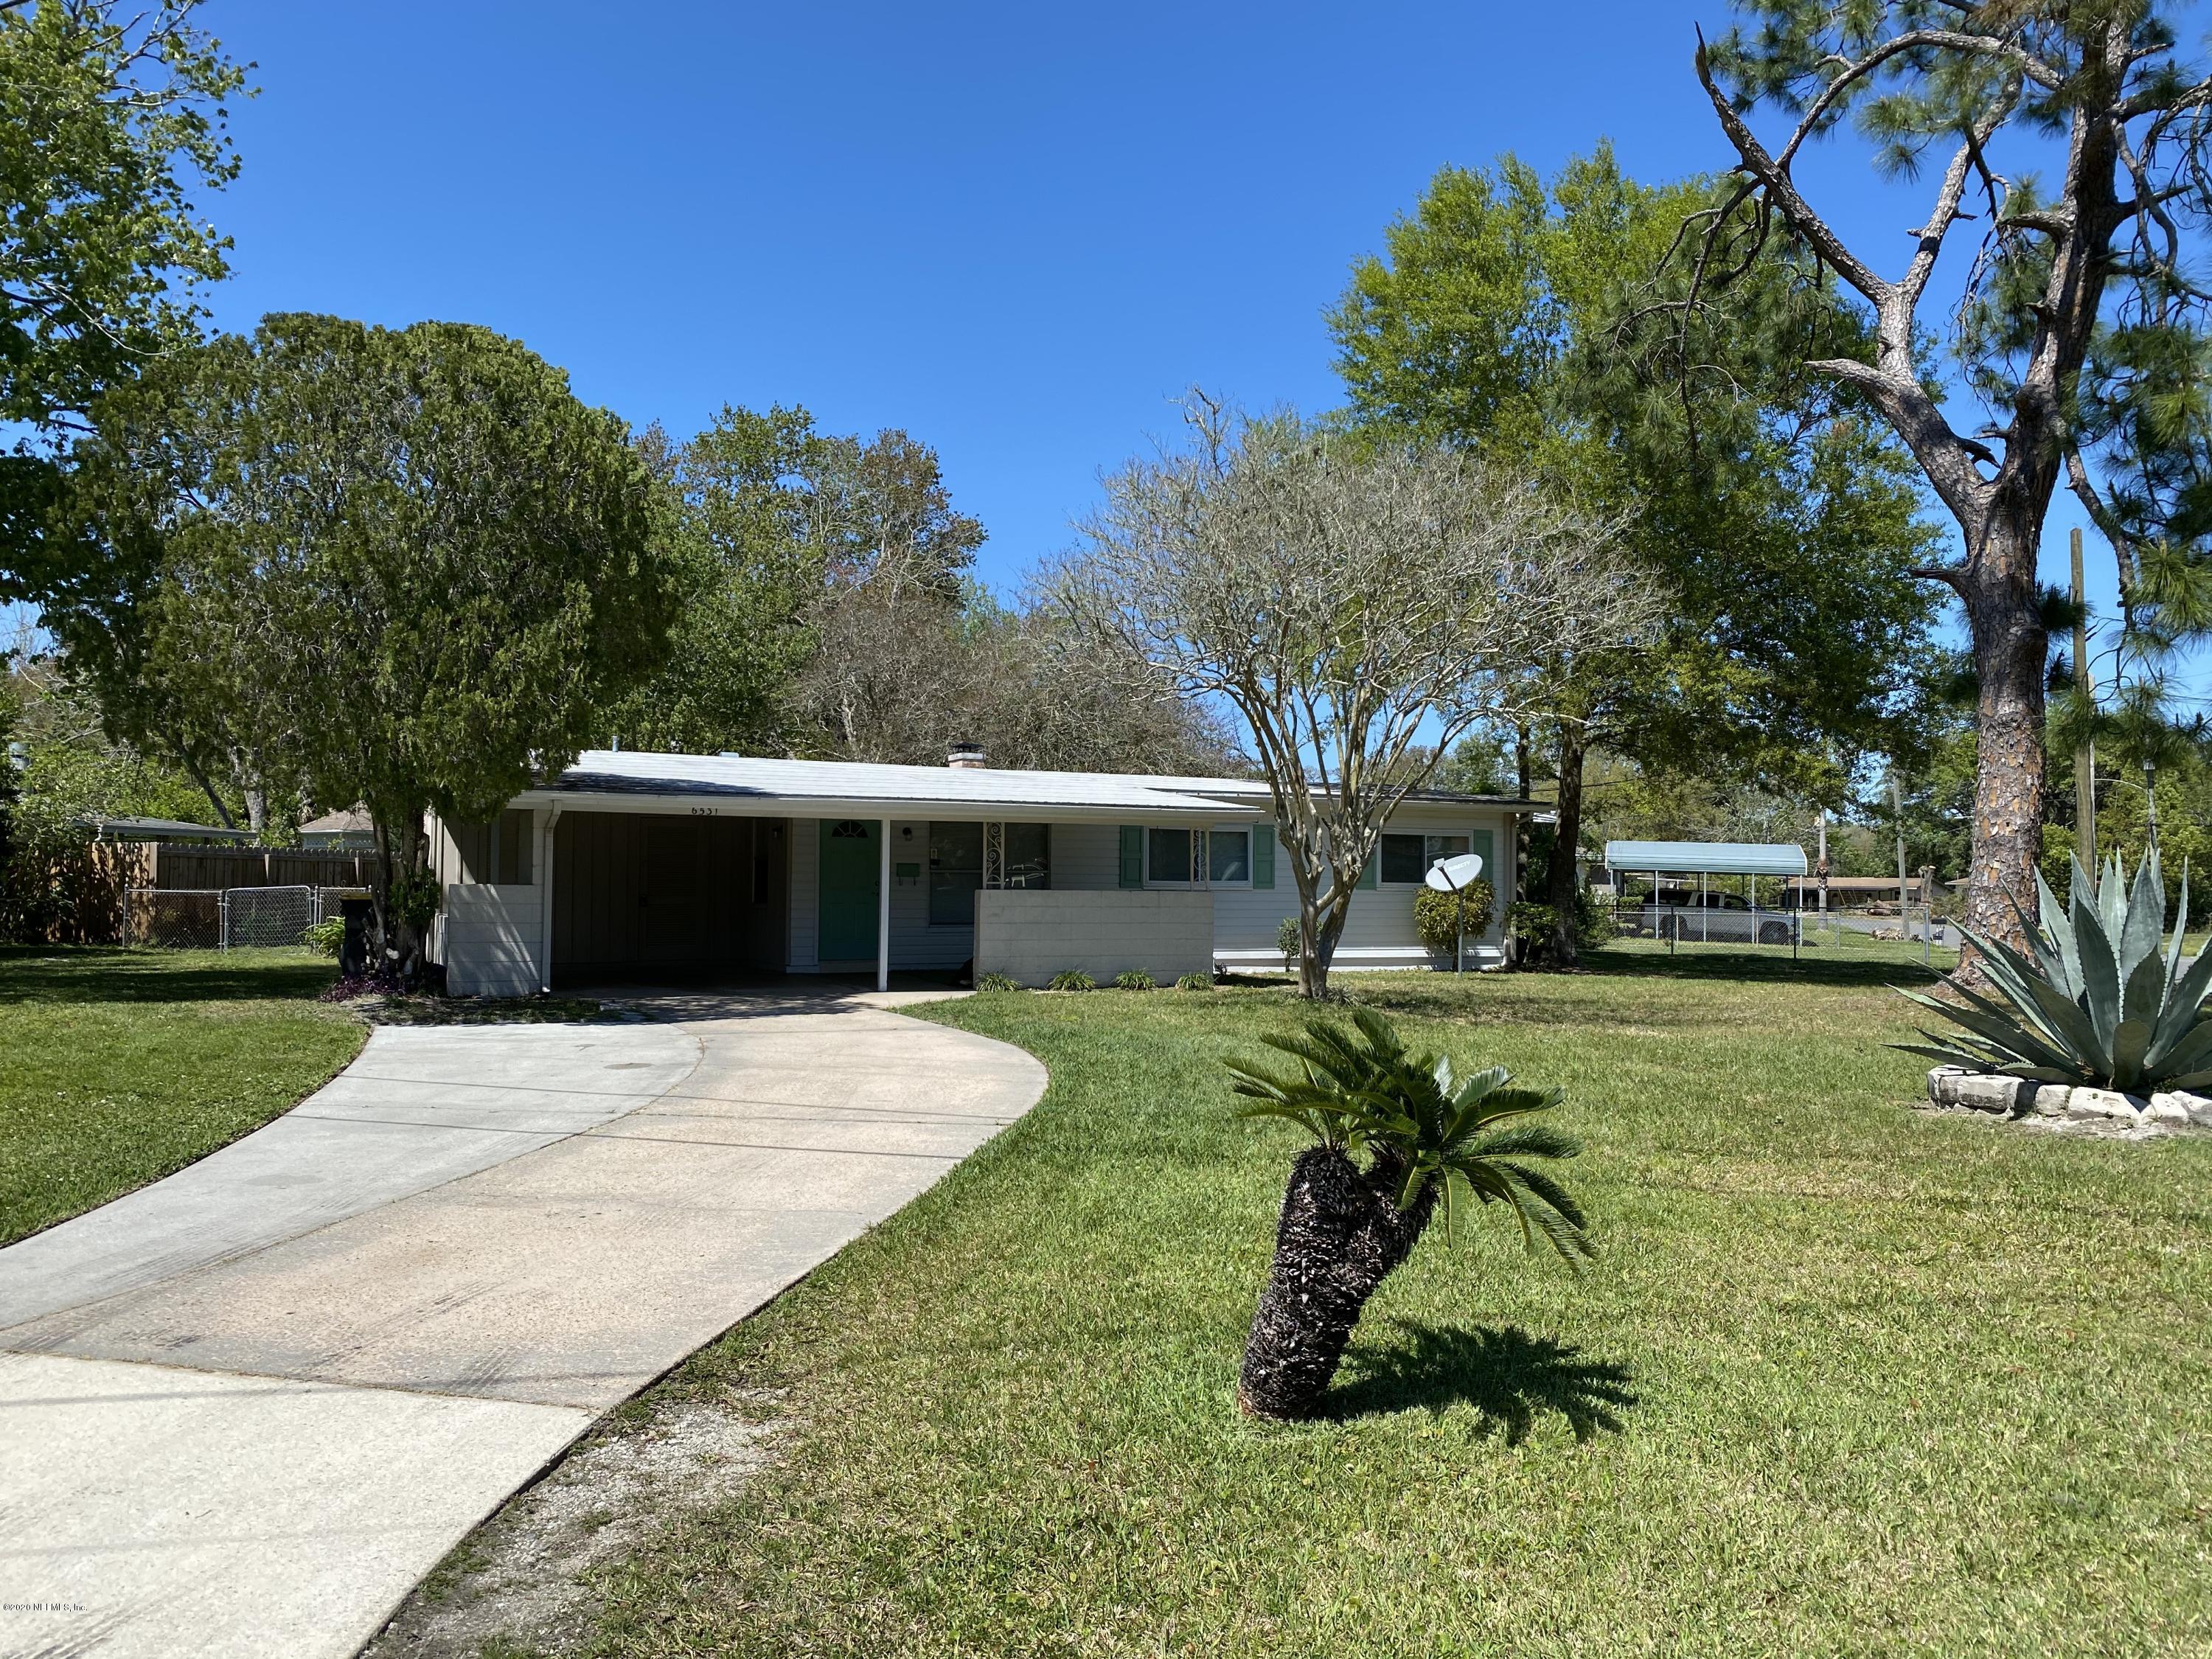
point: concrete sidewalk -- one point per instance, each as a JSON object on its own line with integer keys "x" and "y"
{"x": 257, "y": 1443}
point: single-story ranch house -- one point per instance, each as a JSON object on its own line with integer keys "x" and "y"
{"x": 632, "y": 866}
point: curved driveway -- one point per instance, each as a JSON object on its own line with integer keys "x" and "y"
{"x": 244, "y": 1410}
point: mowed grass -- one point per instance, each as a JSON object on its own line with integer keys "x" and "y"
{"x": 119, "y": 1067}
{"x": 1846, "y": 1378}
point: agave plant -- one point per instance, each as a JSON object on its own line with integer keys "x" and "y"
{"x": 1432, "y": 1138}
{"x": 2093, "y": 1001}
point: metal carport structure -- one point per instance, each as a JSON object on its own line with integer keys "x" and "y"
{"x": 1706, "y": 860}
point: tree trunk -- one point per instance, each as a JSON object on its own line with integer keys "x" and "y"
{"x": 396, "y": 949}
{"x": 1562, "y": 888}
{"x": 1340, "y": 1235}
{"x": 1317, "y": 950}
{"x": 1520, "y": 759}
{"x": 2010, "y": 646}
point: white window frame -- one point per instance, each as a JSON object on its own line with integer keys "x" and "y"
{"x": 1202, "y": 850}
{"x": 1251, "y": 833}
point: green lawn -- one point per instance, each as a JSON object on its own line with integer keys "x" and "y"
{"x": 1847, "y": 1379}
{"x": 118, "y": 1067}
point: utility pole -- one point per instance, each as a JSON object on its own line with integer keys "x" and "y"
{"x": 1821, "y": 868}
{"x": 2085, "y": 757}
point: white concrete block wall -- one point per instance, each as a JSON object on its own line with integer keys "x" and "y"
{"x": 1030, "y": 935}
{"x": 493, "y": 940}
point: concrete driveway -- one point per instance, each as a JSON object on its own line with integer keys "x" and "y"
{"x": 244, "y": 1410}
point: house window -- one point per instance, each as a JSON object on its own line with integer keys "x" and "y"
{"x": 1408, "y": 859}
{"x": 1029, "y": 855}
{"x": 958, "y": 858}
{"x": 1229, "y": 856}
{"x": 1167, "y": 857}
{"x": 956, "y": 873}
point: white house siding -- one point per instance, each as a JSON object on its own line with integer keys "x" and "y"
{"x": 1086, "y": 857}
{"x": 915, "y": 943}
{"x": 1030, "y": 934}
{"x": 1378, "y": 928}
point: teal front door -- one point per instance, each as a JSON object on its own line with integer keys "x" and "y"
{"x": 852, "y": 877}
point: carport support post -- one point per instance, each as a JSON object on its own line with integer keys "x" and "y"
{"x": 883, "y": 914}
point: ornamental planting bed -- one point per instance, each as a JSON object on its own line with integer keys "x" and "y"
{"x": 2024, "y": 1099}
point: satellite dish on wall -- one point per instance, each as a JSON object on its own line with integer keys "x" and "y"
{"x": 1450, "y": 875}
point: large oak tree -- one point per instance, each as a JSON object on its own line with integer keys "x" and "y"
{"x": 408, "y": 566}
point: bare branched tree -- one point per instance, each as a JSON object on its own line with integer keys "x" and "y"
{"x": 1359, "y": 607}
{"x": 900, "y": 674}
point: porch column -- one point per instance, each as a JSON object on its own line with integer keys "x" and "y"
{"x": 883, "y": 914}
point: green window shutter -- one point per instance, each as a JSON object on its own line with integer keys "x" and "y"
{"x": 1133, "y": 856}
{"x": 1479, "y": 844}
{"x": 1263, "y": 855}
{"x": 1367, "y": 877}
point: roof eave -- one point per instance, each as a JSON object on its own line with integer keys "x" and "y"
{"x": 712, "y": 801}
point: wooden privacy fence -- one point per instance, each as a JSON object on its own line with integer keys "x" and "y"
{"x": 103, "y": 892}
{"x": 73, "y": 895}
{"x": 175, "y": 867}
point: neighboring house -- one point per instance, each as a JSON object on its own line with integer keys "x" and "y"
{"x": 634, "y": 866}
{"x": 162, "y": 829}
{"x": 349, "y": 831}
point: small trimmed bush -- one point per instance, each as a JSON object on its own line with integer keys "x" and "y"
{"x": 1436, "y": 916}
{"x": 327, "y": 936}
{"x": 1286, "y": 941}
{"x": 1195, "y": 983}
{"x": 1075, "y": 981}
{"x": 996, "y": 982}
{"x": 1135, "y": 978}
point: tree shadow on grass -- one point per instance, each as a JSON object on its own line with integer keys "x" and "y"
{"x": 1510, "y": 1377}
{"x": 96, "y": 973}
{"x": 1768, "y": 966}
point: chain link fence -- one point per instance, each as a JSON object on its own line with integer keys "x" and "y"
{"x": 1708, "y": 924}
{"x": 1739, "y": 925}
{"x": 227, "y": 918}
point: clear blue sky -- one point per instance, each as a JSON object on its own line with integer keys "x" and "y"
{"x": 1016, "y": 231}
{"x": 1019, "y": 232}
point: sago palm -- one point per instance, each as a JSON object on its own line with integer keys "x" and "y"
{"x": 1431, "y": 1140}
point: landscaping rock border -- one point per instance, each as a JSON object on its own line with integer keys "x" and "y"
{"x": 2015, "y": 1097}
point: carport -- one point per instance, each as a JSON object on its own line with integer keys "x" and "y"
{"x": 658, "y": 897}
{"x": 1706, "y": 860}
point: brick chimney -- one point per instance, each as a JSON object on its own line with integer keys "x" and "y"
{"x": 965, "y": 756}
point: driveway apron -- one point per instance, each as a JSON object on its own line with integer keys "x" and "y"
{"x": 244, "y": 1410}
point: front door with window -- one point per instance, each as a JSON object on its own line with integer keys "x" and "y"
{"x": 851, "y": 890}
